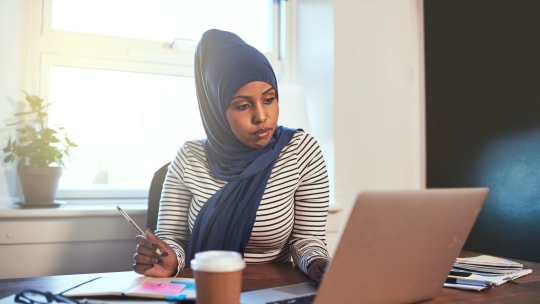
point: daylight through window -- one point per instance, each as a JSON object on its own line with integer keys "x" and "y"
{"x": 123, "y": 87}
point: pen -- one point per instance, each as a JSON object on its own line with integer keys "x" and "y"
{"x": 129, "y": 219}
{"x": 464, "y": 281}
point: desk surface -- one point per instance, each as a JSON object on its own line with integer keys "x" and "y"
{"x": 276, "y": 274}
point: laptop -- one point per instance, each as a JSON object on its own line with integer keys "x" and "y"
{"x": 397, "y": 247}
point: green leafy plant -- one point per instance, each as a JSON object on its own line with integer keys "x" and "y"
{"x": 36, "y": 144}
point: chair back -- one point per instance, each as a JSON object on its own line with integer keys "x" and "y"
{"x": 154, "y": 196}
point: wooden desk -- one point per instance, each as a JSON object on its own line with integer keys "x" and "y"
{"x": 276, "y": 274}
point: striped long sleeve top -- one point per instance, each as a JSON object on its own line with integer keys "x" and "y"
{"x": 290, "y": 221}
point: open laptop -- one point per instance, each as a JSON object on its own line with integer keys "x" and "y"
{"x": 397, "y": 247}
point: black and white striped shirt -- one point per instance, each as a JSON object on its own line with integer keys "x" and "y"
{"x": 290, "y": 221}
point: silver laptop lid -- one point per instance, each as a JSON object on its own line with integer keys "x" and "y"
{"x": 398, "y": 246}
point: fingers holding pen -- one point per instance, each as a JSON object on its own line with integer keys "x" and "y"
{"x": 153, "y": 257}
{"x": 144, "y": 253}
{"x": 147, "y": 251}
{"x": 152, "y": 242}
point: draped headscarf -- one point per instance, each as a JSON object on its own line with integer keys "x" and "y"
{"x": 223, "y": 64}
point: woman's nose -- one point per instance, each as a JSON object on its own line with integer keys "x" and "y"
{"x": 259, "y": 114}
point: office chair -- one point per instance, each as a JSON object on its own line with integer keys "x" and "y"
{"x": 154, "y": 195}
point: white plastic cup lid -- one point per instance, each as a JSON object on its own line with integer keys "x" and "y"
{"x": 217, "y": 261}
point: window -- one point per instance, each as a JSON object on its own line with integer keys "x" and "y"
{"x": 165, "y": 20}
{"x": 123, "y": 87}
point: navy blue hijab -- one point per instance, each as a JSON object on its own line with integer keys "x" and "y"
{"x": 223, "y": 64}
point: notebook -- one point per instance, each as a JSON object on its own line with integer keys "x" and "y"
{"x": 397, "y": 247}
{"x": 131, "y": 284}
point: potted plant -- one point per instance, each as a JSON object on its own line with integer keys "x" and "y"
{"x": 38, "y": 150}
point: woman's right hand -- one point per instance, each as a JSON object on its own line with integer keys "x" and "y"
{"x": 148, "y": 262}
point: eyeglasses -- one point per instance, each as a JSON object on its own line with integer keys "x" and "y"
{"x": 30, "y": 296}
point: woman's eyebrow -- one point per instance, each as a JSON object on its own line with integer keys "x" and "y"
{"x": 240, "y": 97}
{"x": 269, "y": 89}
{"x": 249, "y": 97}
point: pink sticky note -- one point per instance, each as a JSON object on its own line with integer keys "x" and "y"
{"x": 161, "y": 288}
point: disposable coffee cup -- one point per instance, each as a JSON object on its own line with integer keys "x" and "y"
{"x": 218, "y": 276}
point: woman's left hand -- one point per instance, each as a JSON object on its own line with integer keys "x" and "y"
{"x": 316, "y": 269}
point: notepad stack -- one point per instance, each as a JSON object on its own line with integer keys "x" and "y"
{"x": 480, "y": 272}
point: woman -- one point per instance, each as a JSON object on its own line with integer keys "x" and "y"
{"x": 252, "y": 186}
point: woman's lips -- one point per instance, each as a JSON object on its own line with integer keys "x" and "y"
{"x": 263, "y": 132}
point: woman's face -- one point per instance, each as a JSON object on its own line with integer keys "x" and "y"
{"x": 253, "y": 114}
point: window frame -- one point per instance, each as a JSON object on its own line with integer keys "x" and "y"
{"x": 49, "y": 47}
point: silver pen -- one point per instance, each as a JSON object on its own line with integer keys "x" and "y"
{"x": 129, "y": 219}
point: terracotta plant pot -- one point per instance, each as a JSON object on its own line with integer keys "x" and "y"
{"x": 39, "y": 184}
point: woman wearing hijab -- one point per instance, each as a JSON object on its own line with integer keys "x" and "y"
{"x": 252, "y": 185}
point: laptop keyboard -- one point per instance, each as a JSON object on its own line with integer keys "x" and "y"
{"x": 297, "y": 300}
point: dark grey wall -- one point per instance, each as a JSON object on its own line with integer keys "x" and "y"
{"x": 483, "y": 115}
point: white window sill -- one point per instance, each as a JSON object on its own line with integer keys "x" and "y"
{"x": 78, "y": 208}
{"x": 75, "y": 209}
{"x": 88, "y": 223}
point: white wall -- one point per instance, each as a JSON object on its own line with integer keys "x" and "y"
{"x": 362, "y": 72}
{"x": 361, "y": 64}
{"x": 378, "y": 100}
{"x": 315, "y": 71}
{"x": 75, "y": 239}
{"x": 12, "y": 39}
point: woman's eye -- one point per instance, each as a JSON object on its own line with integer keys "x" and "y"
{"x": 269, "y": 100}
{"x": 242, "y": 106}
